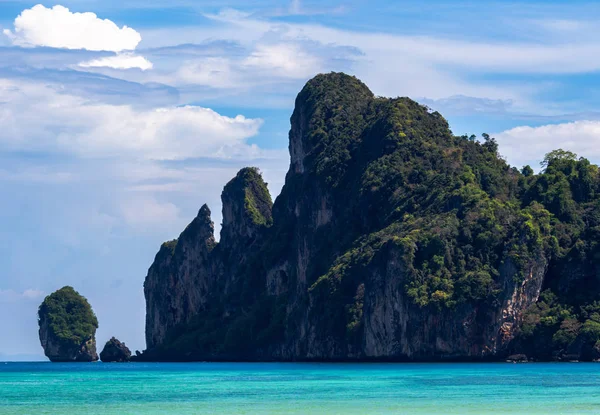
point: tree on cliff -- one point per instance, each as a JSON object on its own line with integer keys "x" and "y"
{"x": 557, "y": 156}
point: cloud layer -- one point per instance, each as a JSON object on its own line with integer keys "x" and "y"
{"x": 36, "y": 117}
{"x": 120, "y": 61}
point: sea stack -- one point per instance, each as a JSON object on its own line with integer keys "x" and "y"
{"x": 115, "y": 351}
{"x": 68, "y": 327}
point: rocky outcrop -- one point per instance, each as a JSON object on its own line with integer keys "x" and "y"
{"x": 246, "y": 209}
{"x": 517, "y": 358}
{"x": 67, "y": 326}
{"x": 115, "y": 352}
{"x": 188, "y": 272}
{"x": 178, "y": 282}
{"x": 392, "y": 239}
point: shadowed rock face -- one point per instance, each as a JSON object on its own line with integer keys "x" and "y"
{"x": 67, "y": 327}
{"x": 392, "y": 239}
{"x": 188, "y": 273}
{"x": 178, "y": 282}
{"x": 115, "y": 351}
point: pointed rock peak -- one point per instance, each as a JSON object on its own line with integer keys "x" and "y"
{"x": 249, "y": 190}
{"x": 247, "y": 205}
{"x": 200, "y": 229}
{"x": 204, "y": 213}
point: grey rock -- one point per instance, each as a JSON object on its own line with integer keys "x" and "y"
{"x": 115, "y": 351}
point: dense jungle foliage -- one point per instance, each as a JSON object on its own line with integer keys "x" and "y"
{"x": 70, "y": 317}
{"x": 459, "y": 214}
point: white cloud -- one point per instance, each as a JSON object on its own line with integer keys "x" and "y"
{"x": 269, "y": 62}
{"x": 512, "y": 57}
{"x": 528, "y": 145}
{"x": 37, "y": 117}
{"x": 58, "y": 27}
{"x": 407, "y": 65}
{"x": 390, "y": 64}
{"x": 464, "y": 105}
{"x": 119, "y": 61}
{"x": 288, "y": 60}
{"x": 216, "y": 72}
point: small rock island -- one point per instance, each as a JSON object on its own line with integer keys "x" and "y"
{"x": 115, "y": 352}
{"x": 68, "y": 327}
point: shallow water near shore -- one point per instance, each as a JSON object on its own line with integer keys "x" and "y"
{"x": 303, "y": 388}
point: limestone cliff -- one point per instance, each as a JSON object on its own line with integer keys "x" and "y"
{"x": 191, "y": 273}
{"x": 178, "y": 282}
{"x": 67, "y": 327}
{"x": 392, "y": 239}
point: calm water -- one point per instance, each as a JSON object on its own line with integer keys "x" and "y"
{"x": 210, "y": 388}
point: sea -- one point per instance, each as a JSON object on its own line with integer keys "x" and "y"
{"x": 298, "y": 388}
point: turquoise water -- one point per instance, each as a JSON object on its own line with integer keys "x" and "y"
{"x": 234, "y": 388}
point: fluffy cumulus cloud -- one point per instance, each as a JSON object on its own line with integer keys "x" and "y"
{"x": 37, "y": 117}
{"x": 58, "y": 27}
{"x": 527, "y": 145}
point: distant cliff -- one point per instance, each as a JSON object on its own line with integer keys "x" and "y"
{"x": 68, "y": 327}
{"x": 392, "y": 239}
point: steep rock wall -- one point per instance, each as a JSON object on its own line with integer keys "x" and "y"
{"x": 389, "y": 241}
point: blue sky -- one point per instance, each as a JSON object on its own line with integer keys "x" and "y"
{"x": 116, "y": 127}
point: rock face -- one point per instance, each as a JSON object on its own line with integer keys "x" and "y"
{"x": 115, "y": 351}
{"x": 392, "y": 239}
{"x": 177, "y": 282}
{"x": 184, "y": 277}
{"x": 67, "y": 327}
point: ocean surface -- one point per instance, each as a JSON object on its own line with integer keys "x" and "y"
{"x": 234, "y": 388}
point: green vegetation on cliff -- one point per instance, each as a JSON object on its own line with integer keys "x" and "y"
{"x": 257, "y": 199}
{"x": 69, "y": 316}
{"x": 381, "y": 192}
{"x": 249, "y": 188}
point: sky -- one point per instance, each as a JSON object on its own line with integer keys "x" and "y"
{"x": 119, "y": 119}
